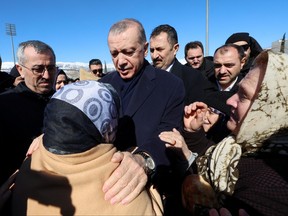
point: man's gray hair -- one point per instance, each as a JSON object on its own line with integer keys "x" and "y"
{"x": 39, "y": 46}
{"x": 124, "y": 24}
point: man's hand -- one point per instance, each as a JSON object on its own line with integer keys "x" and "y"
{"x": 127, "y": 181}
{"x": 18, "y": 80}
{"x": 194, "y": 116}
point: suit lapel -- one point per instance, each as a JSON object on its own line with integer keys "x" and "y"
{"x": 176, "y": 69}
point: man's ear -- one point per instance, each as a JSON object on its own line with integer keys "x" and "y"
{"x": 176, "y": 48}
{"x": 243, "y": 61}
{"x": 20, "y": 70}
{"x": 146, "y": 49}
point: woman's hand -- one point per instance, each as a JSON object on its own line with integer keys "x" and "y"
{"x": 194, "y": 116}
{"x": 175, "y": 140}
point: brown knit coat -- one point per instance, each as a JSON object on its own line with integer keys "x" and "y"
{"x": 50, "y": 184}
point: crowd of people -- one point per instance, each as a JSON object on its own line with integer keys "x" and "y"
{"x": 160, "y": 138}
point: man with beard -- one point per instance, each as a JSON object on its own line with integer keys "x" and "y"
{"x": 228, "y": 62}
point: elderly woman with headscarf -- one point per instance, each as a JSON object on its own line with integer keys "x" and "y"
{"x": 248, "y": 169}
{"x": 65, "y": 175}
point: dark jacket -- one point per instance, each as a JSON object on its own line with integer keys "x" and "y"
{"x": 194, "y": 82}
{"x": 6, "y": 81}
{"x": 206, "y": 68}
{"x": 155, "y": 105}
{"x": 214, "y": 86}
{"x": 21, "y": 120}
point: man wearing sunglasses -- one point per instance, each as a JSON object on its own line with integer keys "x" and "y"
{"x": 22, "y": 108}
{"x": 251, "y": 48}
{"x": 95, "y": 66}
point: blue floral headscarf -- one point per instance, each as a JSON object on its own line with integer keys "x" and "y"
{"x": 79, "y": 116}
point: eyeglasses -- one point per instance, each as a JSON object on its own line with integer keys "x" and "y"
{"x": 215, "y": 111}
{"x": 39, "y": 70}
{"x": 97, "y": 70}
{"x": 245, "y": 46}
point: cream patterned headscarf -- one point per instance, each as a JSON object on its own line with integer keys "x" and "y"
{"x": 267, "y": 116}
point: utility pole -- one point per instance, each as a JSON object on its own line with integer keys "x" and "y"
{"x": 282, "y": 46}
{"x": 207, "y": 29}
{"x": 105, "y": 68}
{"x": 11, "y": 30}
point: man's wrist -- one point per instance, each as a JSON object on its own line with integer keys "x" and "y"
{"x": 149, "y": 166}
{"x": 192, "y": 158}
{"x": 192, "y": 130}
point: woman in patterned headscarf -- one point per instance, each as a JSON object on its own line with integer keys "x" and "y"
{"x": 248, "y": 169}
{"x": 65, "y": 175}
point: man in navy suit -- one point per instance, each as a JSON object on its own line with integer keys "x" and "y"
{"x": 163, "y": 49}
{"x": 152, "y": 102}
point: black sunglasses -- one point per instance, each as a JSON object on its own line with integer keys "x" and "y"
{"x": 97, "y": 70}
{"x": 245, "y": 47}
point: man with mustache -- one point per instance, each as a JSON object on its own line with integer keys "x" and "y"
{"x": 163, "y": 49}
{"x": 194, "y": 56}
{"x": 228, "y": 62}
